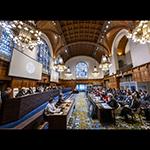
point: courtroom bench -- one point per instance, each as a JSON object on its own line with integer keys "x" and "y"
{"x": 31, "y": 117}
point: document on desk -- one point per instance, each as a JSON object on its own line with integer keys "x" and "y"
{"x": 68, "y": 100}
{"x": 105, "y": 106}
{"x": 59, "y": 113}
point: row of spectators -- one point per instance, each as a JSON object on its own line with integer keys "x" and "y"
{"x": 31, "y": 90}
{"x": 128, "y": 101}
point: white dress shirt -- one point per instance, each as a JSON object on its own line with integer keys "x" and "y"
{"x": 50, "y": 108}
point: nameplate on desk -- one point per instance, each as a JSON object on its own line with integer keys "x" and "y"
{"x": 105, "y": 106}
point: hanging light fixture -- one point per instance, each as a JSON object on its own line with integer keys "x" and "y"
{"x": 59, "y": 64}
{"x": 95, "y": 72}
{"x": 24, "y": 34}
{"x": 141, "y": 33}
{"x": 68, "y": 72}
{"x": 105, "y": 63}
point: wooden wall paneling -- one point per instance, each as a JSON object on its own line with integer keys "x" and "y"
{"x": 137, "y": 75}
{"x": 142, "y": 71}
{"x": 113, "y": 82}
{"x": 73, "y": 83}
{"x": 16, "y": 83}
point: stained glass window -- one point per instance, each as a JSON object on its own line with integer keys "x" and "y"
{"x": 6, "y": 44}
{"x": 81, "y": 70}
{"x": 43, "y": 56}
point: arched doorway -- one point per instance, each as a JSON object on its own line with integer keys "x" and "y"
{"x": 120, "y": 52}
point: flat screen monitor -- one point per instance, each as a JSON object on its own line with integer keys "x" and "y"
{"x": 22, "y": 65}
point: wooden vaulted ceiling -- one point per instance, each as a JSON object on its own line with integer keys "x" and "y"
{"x": 81, "y": 38}
{"x": 92, "y": 38}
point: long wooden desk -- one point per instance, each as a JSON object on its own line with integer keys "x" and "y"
{"x": 16, "y": 108}
{"x": 59, "y": 121}
{"x": 104, "y": 112}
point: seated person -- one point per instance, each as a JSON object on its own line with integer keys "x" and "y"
{"x": 129, "y": 110}
{"x": 29, "y": 91}
{"x": 147, "y": 112}
{"x": 126, "y": 111}
{"x": 5, "y": 96}
{"x": 50, "y": 108}
{"x": 21, "y": 92}
{"x": 112, "y": 102}
{"x": 37, "y": 89}
{"x": 60, "y": 99}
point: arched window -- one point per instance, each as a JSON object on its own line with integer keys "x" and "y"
{"x": 6, "y": 44}
{"x": 81, "y": 70}
{"x": 43, "y": 56}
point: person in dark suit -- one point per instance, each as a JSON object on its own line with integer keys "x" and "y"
{"x": 60, "y": 100}
{"x": 112, "y": 102}
{"x": 21, "y": 92}
{"x": 29, "y": 91}
{"x": 130, "y": 110}
{"x": 5, "y": 96}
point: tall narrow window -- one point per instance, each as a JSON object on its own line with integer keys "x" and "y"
{"x": 81, "y": 70}
{"x": 43, "y": 56}
{"x": 6, "y": 44}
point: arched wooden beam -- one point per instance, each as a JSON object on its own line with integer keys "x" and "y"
{"x": 81, "y": 42}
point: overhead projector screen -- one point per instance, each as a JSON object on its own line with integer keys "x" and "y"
{"x": 54, "y": 76}
{"x": 23, "y": 66}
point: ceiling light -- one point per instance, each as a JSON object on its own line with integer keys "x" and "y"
{"x": 55, "y": 37}
{"x": 54, "y": 22}
{"x": 11, "y": 35}
{"x": 13, "y": 25}
{"x": 141, "y": 32}
{"x": 21, "y": 22}
{"x": 108, "y": 22}
{"x": 31, "y": 31}
{"x": 15, "y": 21}
{"x": 40, "y": 33}
{"x": 95, "y": 72}
{"x": 20, "y": 38}
{"x": 26, "y": 28}
{"x": 19, "y": 26}
{"x": 119, "y": 53}
{"x": 68, "y": 72}
{"x": 23, "y": 32}
{"x": 107, "y": 26}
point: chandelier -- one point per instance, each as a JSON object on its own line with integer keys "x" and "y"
{"x": 95, "y": 72}
{"x": 141, "y": 33}
{"x": 25, "y": 34}
{"x": 59, "y": 64}
{"x": 105, "y": 63}
{"x": 68, "y": 72}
